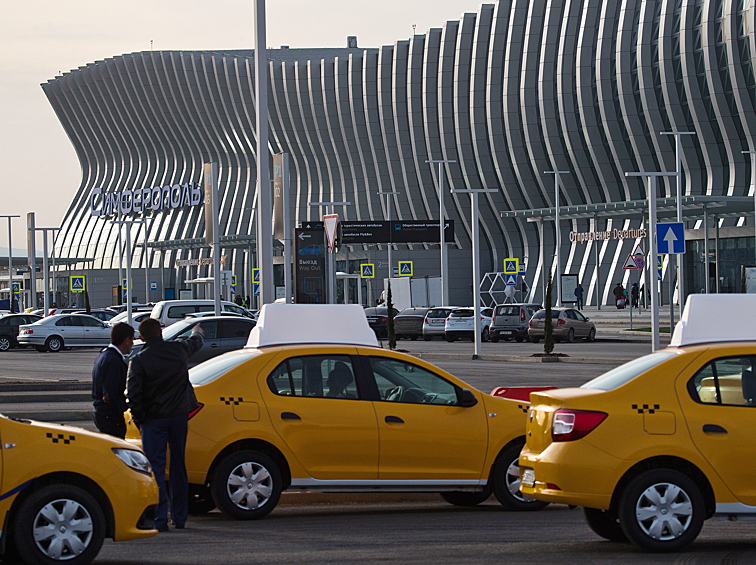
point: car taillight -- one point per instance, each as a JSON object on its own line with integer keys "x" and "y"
{"x": 560, "y": 322}
{"x": 29, "y": 331}
{"x": 448, "y": 318}
{"x": 194, "y": 412}
{"x": 425, "y": 320}
{"x": 384, "y": 319}
{"x": 569, "y": 425}
{"x": 522, "y": 315}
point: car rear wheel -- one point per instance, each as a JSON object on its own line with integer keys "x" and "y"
{"x": 413, "y": 337}
{"x": 570, "y": 336}
{"x": 466, "y": 498}
{"x": 661, "y": 510}
{"x": 200, "y": 500}
{"x": 449, "y": 338}
{"x": 506, "y": 481}
{"x": 486, "y": 334}
{"x": 246, "y": 485}
{"x": 427, "y": 337}
{"x": 59, "y": 523}
{"x": 5, "y": 343}
{"x": 534, "y": 339}
{"x": 591, "y": 335}
{"x": 40, "y": 348}
{"x": 54, "y": 343}
{"x": 604, "y": 524}
{"x": 494, "y": 340}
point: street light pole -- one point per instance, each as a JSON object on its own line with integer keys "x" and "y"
{"x": 442, "y": 213}
{"x": 10, "y": 262}
{"x": 388, "y": 219}
{"x": 558, "y": 241}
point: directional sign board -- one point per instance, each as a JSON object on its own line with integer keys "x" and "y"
{"x": 77, "y": 283}
{"x": 16, "y": 288}
{"x": 522, "y": 268}
{"x": 153, "y": 285}
{"x": 367, "y": 270}
{"x": 396, "y": 231}
{"x": 310, "y": 264}
{"x": 405, "y": 268}
{"x": 511, "y": 280}
{"x": 511, "y": 266}
{"x": 670, "y": 237}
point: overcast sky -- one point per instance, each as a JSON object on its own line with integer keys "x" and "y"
{"x": 43, "y": 38}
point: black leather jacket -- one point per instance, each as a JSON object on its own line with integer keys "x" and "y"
{"x": 157, "y": 384}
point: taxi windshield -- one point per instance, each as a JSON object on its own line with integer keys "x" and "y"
{"x": 627, "y": 372}
{"x": 213, "y": 368}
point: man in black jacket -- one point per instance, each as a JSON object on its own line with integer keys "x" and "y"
{"x": 109, "y": 382}
{"x": 160, "y": 397}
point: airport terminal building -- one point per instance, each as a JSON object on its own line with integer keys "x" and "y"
{"x": 518, "y": 88}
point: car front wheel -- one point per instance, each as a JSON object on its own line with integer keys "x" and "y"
{"x": 534, "y": 339}
{"x": 59, "y": 523}
{"x": 570, "y": 337}
{"x": 661, "y": 510}
{"x": 5, "y": 343}
{"x": 506, "y": 481}
{"x": 246, "y": 485}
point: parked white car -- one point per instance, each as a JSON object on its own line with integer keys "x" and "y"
{"x": 169, "y": 312}
{"x": 55, "y": 332}
{"x": 461, "y": 323}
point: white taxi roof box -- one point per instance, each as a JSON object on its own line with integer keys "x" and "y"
{"x": 716, "y": 317}
{"x": 283, "y": 324}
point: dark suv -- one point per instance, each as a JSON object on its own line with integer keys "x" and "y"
{"x": 510, "y": 321}
{"x": 378, "y": 319}
{"x": 9, "y": 328}
{"x": 409, "y": 323}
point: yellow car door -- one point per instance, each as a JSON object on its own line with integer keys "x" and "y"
{"x": 719, "y": 404}
{"x": 315, "y": 407}
{"x": 425, "y": 434}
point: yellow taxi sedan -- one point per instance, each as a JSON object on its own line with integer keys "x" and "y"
{"x": 314, "y": 404}
{"x": 63, "y": 490}
{"x": 654, "y": 447}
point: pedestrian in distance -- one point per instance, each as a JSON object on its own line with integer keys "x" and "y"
{"x": 579, "y": 296}
{"x": 619, "y": 296}
{"x": 109, "y": 382}
{"x": 161, "y": 397}
{"x": 634, "y": 295}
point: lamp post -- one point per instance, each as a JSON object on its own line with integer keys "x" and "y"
{"x": 388, "y": 219}
{"x": 129, "y": 223}
{"x": 653, "y": 249}
{"x": 558, "y": 241}
{"x": 444, "y": 265}
{"x": 475, "y": 260}
{"x": 753, "y": 183}
{"x": 45, "y": 268}
{"x": 331, "y": 287}
{"x": 10, "y": 262}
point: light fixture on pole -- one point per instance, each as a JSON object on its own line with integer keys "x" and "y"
{"x": 680, "y": 277}
{"x": 653, "y": 250}
{"x": 388, "y": 219}
{"x": 444, "y": 262}
{"x": 331, "y": 287}
{"x": 558, "y": 241}
{"x": 753, "y": 183}
{"x": 475, "y": 260}
{"x": 10, "y": 262}
{"x": 129, "y": 258}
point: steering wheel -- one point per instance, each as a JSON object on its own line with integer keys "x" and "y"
{"x": 395, "y": 394}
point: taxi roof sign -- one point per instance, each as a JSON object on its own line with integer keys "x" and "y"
{"x": 346, "y": 324}
{"x": 709, "y": 318}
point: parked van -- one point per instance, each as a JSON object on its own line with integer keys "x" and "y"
{"x": 168, "y": 312}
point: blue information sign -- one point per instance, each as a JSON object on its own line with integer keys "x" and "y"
{"x": 670, "y": 237}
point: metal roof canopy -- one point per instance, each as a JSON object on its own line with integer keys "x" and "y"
{"x": 197, "y": 242}
{"x": 693, "y": 209}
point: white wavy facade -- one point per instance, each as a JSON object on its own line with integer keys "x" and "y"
{"x": 518, "y": 88}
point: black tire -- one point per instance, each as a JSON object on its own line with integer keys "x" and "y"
{"x": 200, "y": 500}
{"x": 255, "y": 499}
{"x": 40, "y": 348}
{"x": 413, "y": 337}
{"x": 427, "y": 337}
{"x": 54, "y": 343}
{"x": 519, "y": 339}
{"x": 534, "y": 339}
{"x": 5, "y": 343}
{"x": 591, "y": 335}
{"x": 604, "y": 524}
{"x": 570, "y": 337}
{"x": 467, "y": 499}
{"x": 505, "y": 481}
{"x": 79, "y": 535}
{"x": 449, "y": 338}
{"x": 486, "y": 334}
{"x": 674, "y": 528}
{"x": 494, "y": 340}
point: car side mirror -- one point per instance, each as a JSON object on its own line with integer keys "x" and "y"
{"x": 466, "y": 398}
{"x": 587, "y": 319}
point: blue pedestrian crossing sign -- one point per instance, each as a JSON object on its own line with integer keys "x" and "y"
{"x": 511, "y": 266}
{"x": 659, "y": 265}
{"x": 367, "y": 270}
{"x": 511, "y": 280}
{"x": 16, "y": 288}
{"x": 405, "y": 268}
{"x": 233, "y": 281}
{"x": 77, "y": 283}
{"x": 256, "y": 275}
{"x": 670, "y": 237}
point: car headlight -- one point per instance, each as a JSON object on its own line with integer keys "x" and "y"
{"x": 134, "y": 459}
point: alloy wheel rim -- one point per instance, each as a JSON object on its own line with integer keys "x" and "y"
{"x": 513, "y": 482}
{"x": 62, "y": 529}
{"x": 664, "y": 511}
{"x": 4, "y": 344}
{"x": 249, "y": 486}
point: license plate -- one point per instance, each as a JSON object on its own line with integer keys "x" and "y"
{"x": 505, "y": 332}
{"x": 528, "y": 478}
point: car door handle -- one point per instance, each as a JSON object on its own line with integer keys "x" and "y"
{"x": 290, "y": 416}
{"x": 714, "y": 429}
{"x": 213, "y": 345}
{"x": 394, "y": 420}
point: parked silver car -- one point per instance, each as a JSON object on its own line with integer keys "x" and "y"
{"x": 567, "y": 325}
{"x": 55, "y": 332}
{"x": 510, "y": 321}
{"x": 434, "y": 321}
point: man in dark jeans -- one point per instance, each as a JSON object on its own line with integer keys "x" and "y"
{"x": 160, "y": 397}
{"x": 109, "y": 382}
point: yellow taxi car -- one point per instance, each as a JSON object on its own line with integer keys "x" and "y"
{"x": 656, "y": 446}
{"x": 63, "y": 490}
{"x": 314, "y": 404}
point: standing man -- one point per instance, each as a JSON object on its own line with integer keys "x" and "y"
{"x": 160, "y": 397}
{"x": 579, "y": 296}
{"x": 634, "y": 295}
{"x": 109, "y": 382}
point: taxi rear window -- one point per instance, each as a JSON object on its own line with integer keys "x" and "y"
{"x": 213, "y": 368}
{"x": 627, "y": 372}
